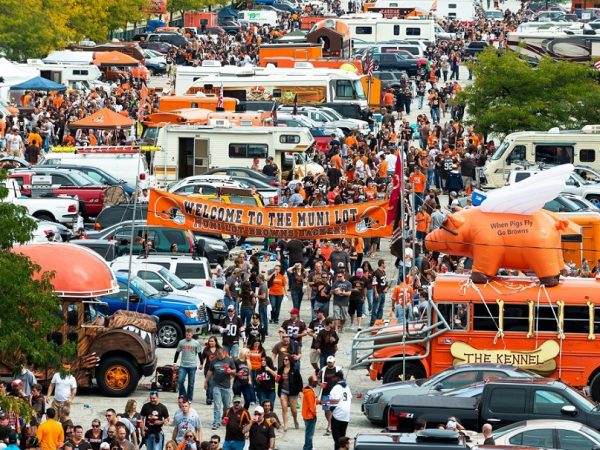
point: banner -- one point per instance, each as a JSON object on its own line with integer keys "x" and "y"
{"x": 155, "y": 7}
{"x": 196, "y": 214}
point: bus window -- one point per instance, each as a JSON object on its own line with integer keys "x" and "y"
{"x": 484, "y": 320}
{"x": 456, "y": 315}
{"x": 546, "y": 319}
{"x": 554, "y": 154}
{"x": 576, "y": 319}
{"x": 517, "y": 154}
{"x": 516, "y": 318}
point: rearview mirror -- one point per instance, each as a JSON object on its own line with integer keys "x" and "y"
{"x": 568, "y": 410}
{"x": 167, "y": 288}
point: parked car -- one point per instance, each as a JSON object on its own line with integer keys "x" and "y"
{"x": 109, "y": 250}
{"x": 494, "y": 15}
{"x": 563, "y": 434}
{"x": 100, "y": 176}
{"x": 474, "y": 48}
{"x": 154, "y": 62}
{"x": 501, "y": 403}
{"x": 330, "y": 116}
{"x": 161, "y": 47}
{"x": 376, "y": 401}
{"x": 570, "y": 203}
{"x": 243, "y": 172}
{"x": 175, "y": 312}
{"x": 574, "y": 184}
{"x": 176, "y": 39}
{"x": 392, "y": 78}
{"x": 395, "y": 62}
{"x": 163, "y": 280}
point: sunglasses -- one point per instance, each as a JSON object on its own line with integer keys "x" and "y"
{"x": 95, "y": 426}
{"x": 257, "y": 414}
{"x": 189, "y": 436}
{"x": 237, "y": 403}
{"x": 108, "y": 416}
{"x": 214, "y": 442}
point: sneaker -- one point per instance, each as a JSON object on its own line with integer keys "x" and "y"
{"x": 327, "y": 433}
{"x": 215, "y": 427}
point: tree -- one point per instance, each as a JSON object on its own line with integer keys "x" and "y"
{"x": 510, "y": 95}
{"x": 30, "y": 311}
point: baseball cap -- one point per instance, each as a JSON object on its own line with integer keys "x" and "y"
{"x": 294, "y": 311}
{"x": 331, "y": 359}
{"x": 231, "y": 308}
{"x": 104, "y": 446}
{"x": 259, "y": 409}
{"x": 359, "y": 271}
{"x": 237, "y": 398}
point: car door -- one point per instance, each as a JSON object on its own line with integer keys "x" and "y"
{"x": 574, "y": 440}
{"x": 504, "y": 405}
{"x": 548, "y": 404}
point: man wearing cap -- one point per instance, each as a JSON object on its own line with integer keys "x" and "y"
{"x": 235, "y": 420}
{"x": 231, "y": 327}
{"x": 309, "y": 411}
{"x": 340, "y": 398}
{"x": 221, "y": 371}
{"x": 326, "y": 379}
{"x": 341, "y": 289}
{"x": 233, "y": 288}
{"x": 262, "y": 435}
{"x": 294, "y": 327}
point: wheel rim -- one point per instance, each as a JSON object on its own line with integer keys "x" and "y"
{"x": 117, "y": 377}
{"x": 167, "y": 335}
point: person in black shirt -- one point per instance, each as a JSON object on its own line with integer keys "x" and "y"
{"x": 262, "y": 435}
{"x": 154, "y": 416}
{"x": 313, "y": 330}
{"x": 357, "y": 298}
{"x": 270, "y": 169}
{"x": 235, "y": 420}
{"x": 255, "y": 332}
{"x": 230, "y": 328}
{"x": 265, "y": 380}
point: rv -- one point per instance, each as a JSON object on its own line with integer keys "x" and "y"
{"x": 463, "y": 10}
{"x": 200, "y": 101}
{"x": 528, "y": 148}
{"x": 284, "y": 85}
{"x": 74, "y": 76}
{"x": 379, "y": 29}
{"x": 187, "y": 150}
{"x": 556, "y": 43}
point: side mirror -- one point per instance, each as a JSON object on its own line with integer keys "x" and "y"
{"x": 438, "y": 387}
{"x": 134, "y": 298}
{"x": 568, "y": 410}
{"x": 167, "y": 288}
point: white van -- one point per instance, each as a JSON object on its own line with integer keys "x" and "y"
{"x": 130, "y": 166}
{"x": 258, "y": 17}
{"x": 526, "y": 148}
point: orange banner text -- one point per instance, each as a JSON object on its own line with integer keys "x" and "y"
{"x": 196, "y": 214}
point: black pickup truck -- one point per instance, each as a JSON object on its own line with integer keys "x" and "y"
{"x": 501, "y": 403}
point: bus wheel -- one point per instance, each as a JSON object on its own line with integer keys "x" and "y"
{"x": 595, "y": 388}
{"x": 395, "y": 372}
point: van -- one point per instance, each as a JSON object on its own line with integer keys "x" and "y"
{"x": 553, "y": 147}
{"x": 259, "y": 17}
{"x": 128, "y": 164}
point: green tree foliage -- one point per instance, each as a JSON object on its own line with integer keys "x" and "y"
{"x": 30, "y": 311}
{"x": 510, "y": 95}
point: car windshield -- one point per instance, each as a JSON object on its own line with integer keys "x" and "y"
{"x": 144, "y": 287}
{"x": 329, "y": 116}
{"x": 101, "y": 176}
{"x": 498, "y": 153}
{"x": 333, "y": 113}
{"x": 591, "y": 433}
{"x": 172, "y": 279}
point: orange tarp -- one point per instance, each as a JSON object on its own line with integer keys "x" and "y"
{"x": 114, "y": 58}
{"x": 105, "y": 118}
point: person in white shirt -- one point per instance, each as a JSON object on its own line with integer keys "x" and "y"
{"x": 64, "y": 387}
{"x": 340, "y": 398}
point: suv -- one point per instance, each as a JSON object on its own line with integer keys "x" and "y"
{"x": 574, "y": 184}
{"x": 393, "y": 78}
{"x": 176, "y": 39}
{"x": 331, "y": 117}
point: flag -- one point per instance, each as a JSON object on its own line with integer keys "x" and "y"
{"x": 220, "y": 99}
{"x": 274, "y": 112}
{"x": 597, "y": 64}
{"x": 370, "y": 65}
{"x": 395, "y": 195}
{"x": 143, "y": 99}
{"x": 295, "y": 110}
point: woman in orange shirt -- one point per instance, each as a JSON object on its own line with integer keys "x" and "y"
{"x": 277, "y": 289}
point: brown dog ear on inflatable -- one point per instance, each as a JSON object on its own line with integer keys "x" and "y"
{"x": 456, "y": 222}
{"x": 562, "y": 224}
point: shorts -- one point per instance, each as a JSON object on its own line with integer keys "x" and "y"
{"x": 421, "y": 235}
{"x": 314, "y": 356}
{"x": 340, "y": 312}
{"x": 325, "y": 398}
{"x": 355, "y": 307}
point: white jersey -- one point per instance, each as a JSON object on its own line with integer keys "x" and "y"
{"x": 342, "y": 393}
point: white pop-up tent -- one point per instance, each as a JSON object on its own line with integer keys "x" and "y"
{"x": 69, "y": 57}
{"x": 12, "y": 74}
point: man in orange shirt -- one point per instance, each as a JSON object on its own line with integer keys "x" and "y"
{"x": 423, "y": 221}
{"x": 388, "y": 100}
{"x": 418, "y": 181}
{"x": 336, "y": 161}
{"x": 402, "y": 300}
{"x": 309, "y": 411}
{"x": 50, "y": 433}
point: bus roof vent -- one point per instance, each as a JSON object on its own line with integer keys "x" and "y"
{"x": 303, "y": 65}
{"x": 220, "y": 123}
{"x": 554, "y": 130}
{"x": 591, "y": 129}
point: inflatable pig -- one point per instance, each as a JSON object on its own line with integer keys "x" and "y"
{"x": 509, "y": 230}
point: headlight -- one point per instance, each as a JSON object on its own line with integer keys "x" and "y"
{"x": 191, "y": 313}
{"x": 375, "y": 397}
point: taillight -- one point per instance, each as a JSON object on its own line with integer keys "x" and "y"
{"x": 392, "y": 421}
{"x": 208, "y": 283}
{"x": 276, "y": 200}
{"x": 274, "y": 183}
{"x": 142, "y": 176}
{"x": 191, "y": 243}
{"x": 97, "y": 226}
{"x": 72, "y": 208}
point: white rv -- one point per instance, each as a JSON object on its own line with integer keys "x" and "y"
{"x": 187, "y": 150}
{"x": 74, "y": 76}
{"x": 530, "y": 148}
{"x": 464, "y": 10}
{"x": 374, "y": 29}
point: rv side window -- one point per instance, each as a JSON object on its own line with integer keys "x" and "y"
{"x": 451, "y": 5}
{"x": 257, "y": 150}
{"x": 587, "y": 155}
{"x": 237, "y": 150}
{"x": 484, "y": 320}
{"x": 343, "y": 89}
{"x": 79, "y": 72}
{"x": 516, "y": 318}
{"x": 554, "y": 154}
{"x": 289, "y": 139}
{"x": 396, "y": 30}
{"x": 364, "y": 30}
{"x": 517, "y": 154}
{"x": 413, "y": 31}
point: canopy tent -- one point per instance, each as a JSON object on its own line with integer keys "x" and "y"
{"x": 38, "y": 84}
{"x": 114, "y": 58}
{"x": 13, "y": 73}
{"x": 69, "y": 57}
{"x": 105, "y": 118}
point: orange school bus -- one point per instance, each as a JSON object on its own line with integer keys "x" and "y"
{"x": 554, "y": 332}
{"x": 172, "y": 102}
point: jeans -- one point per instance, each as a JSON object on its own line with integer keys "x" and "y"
{"x": 264, "y": 318}
{"x": 233, "y": 350}
{"x": 246, "y": 316}
{"x": 297, "y": 295}
{"x": 275, "y": 307}
{"x": 400, "y": 314}
{"x": 221, "y": 401}
{"x": 309, "y": 432}
{"x": 421, "y": 98}
{"x": 323, "y": 306}
{"x": 338, "y": 430}
{"x": 190, "y": 372}
{"x": 229, "y": 301}
{"x": 266, "y": 395}
{"x": 369, "y": 300}
{"x": 155, "y": 441}
{"x": 377, "y": 310}
{"x": 418, "y": 200}
{"x": 209, "y": 388}
{"x": 234, "y": 445}
{"x": 247, "y": 391}
{"x": 435, "y": 114}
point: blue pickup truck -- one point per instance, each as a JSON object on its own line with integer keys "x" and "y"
{"x": 175, "y": 312}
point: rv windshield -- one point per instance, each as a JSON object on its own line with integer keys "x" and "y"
{"x": 150, "y": 134}
{"x": 360, "y": 93}
{"x": 498, "y": 153}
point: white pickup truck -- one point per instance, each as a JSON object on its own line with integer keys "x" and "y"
{"x": 55, "y": 209}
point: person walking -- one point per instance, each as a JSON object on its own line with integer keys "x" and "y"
{"x": 379, "y": 282}
{"x": 340, "y": 398}
{"x": 190, "y": 349}
{"x": 186, "y": 420}
{"x": 235, "y": 420}
{"x": 219, "y": 375}
{"x": 242, "y": 383}
{"x": 277, "y": 290}
{"x": 341, "y": 289}
{"x": 327, "y": 341}
{"x": 64, "y": 387}
{"x": 309, "y": 411}
{"x": 262, "y": 435}
{"x": 290, "y": 385}
{"x": 209, "y": 353}
{"x": 154, "y": 415}
{"x": 265, "y": 380}
{"x": 231, "y": 328}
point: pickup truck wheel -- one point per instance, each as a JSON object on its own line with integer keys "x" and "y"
{"x": 117, "y": 377}
{"x": 595, "y": 388}
{"x": 44, "y": 216}
{"x": 169, "y": 334}
{"x": 394, "y": 373}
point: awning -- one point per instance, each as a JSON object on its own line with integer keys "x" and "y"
{"x": 114, "y": 58}
{"x": 105, "y": 118}
{"x": 38, "y": 84}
